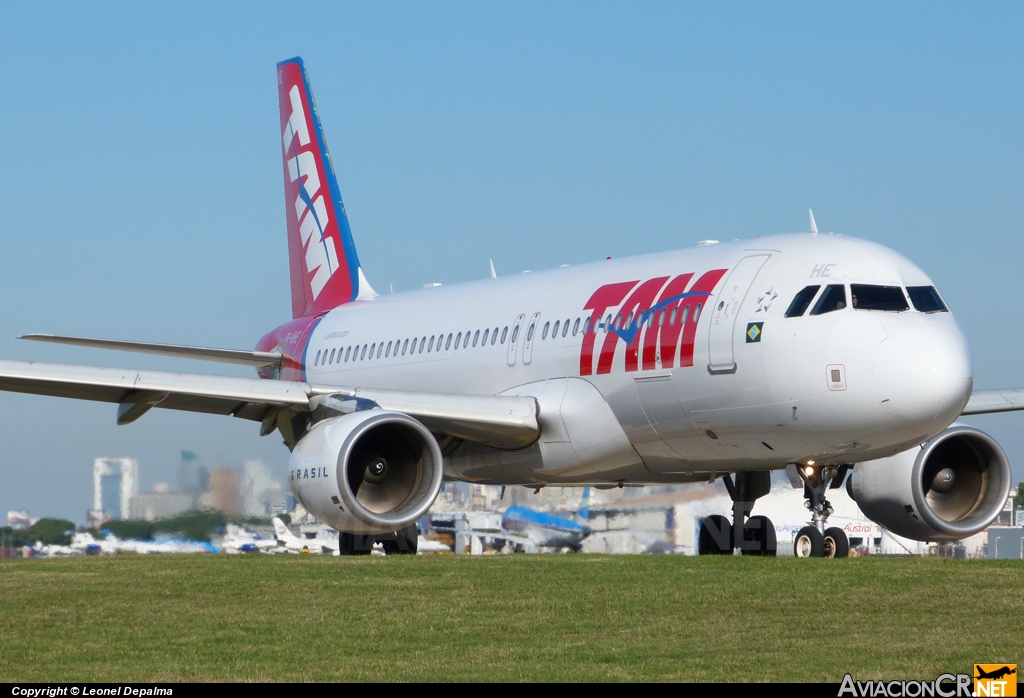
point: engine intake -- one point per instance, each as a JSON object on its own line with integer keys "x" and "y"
{"x": 951, "y": 487}
{"x": 374, "y": 471}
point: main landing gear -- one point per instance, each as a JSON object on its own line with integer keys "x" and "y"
{"x": 401, "y": 542}
{"x": 815, "y": 540}
{"x": 752, "y": 535}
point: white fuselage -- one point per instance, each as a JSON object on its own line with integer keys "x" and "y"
{"x": 840, "y": 387}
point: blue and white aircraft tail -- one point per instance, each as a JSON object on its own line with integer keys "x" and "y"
{"x": 528, "y": 528}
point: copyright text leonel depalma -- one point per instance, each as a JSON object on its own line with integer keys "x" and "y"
{"x": 54, "y": 691}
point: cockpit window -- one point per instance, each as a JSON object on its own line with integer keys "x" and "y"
{"x": 834, "y": 298}
{"x": 926, "y": 299}
{"x": 888, "y": 298}
{"x": 802, "y": 300}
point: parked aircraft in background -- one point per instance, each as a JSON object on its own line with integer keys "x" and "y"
{"x": 238, "y": 540}
{"x": 529, "y": 529}
{"x": 109, "y": 544}
{"x": 296, "y": 544}
{"x": 817, "y": 352}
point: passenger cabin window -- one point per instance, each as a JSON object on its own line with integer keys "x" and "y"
{"x": 575, "y": 327}
{"x": 802, "y": 301}
{"x": 834, "y": 298}
{"x": 504, "y": 333}
{"x": 926, "y": 299}
{"x": 887, "y": 298}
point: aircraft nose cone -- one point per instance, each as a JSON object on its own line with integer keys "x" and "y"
{"x": 923, "y": 375}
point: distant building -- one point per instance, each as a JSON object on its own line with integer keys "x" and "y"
{"x": 193, "y": 475}
{"x": 261, "y": 495}
{"x": 223, "y": 495}
{"x": 115, "y": 485}
{"x": 160, "y": 505}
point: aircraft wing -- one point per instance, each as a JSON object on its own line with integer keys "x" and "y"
{"x": 496, "y": 420}
{"x": 229, "y": 356}
{"x": 987, "y": 401}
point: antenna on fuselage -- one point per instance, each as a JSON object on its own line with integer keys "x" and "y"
{"x": 814, "y": 228}
{"x": 493, "y": 275}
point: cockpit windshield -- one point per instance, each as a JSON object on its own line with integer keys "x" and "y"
{"x": 834, "y": 298}
{"x": 802, "y": 300}
{"x": 869, "y": 297}
{"x": 926, "y": 299}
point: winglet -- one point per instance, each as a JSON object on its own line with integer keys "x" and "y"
{"x": 493, "y": 275}
{"x": 814, "y": 228}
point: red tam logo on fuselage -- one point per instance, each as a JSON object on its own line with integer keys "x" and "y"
{"x": 648, "y": 322}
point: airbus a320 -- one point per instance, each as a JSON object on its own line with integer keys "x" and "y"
{"x": 832, "y": 357}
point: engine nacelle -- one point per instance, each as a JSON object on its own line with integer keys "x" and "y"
{"x": 949, "y": 488}
{"x": 374, "y": 471}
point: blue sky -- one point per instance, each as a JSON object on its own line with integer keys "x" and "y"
{"x": 140, "y": 177}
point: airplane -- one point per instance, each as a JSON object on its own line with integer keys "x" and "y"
{"x": 239, "y": 540}
{"x": 832, "y": 357}
{"x": 529, "y": 529}
{"x": 85, "y": 543}
{"x": 294, "y": 544}
{"x": 995, "y": 674}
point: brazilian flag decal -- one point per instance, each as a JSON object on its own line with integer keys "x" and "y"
{"x": 754, "y": 332}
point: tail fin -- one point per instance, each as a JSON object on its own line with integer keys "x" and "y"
{"x": 325, "y": 270}
{"x": 583, "y": 514}
{"x": 281, "y": 531}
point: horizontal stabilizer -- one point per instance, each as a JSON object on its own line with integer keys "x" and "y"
{"x": 501, "y": 421}
{"x": 227, "y": 356}
{"x": 988, "y": 401}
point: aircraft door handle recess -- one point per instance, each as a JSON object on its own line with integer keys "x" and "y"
{"x": 528, "y": 342}
{"x": 514, "y": 339}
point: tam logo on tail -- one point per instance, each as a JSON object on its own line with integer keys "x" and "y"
{"x": 322, "y": 255}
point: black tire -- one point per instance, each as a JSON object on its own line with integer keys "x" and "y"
{"x": 809, "y": 543}
{"x": 406, "y": 541}
{"x": 715, "y": 536}
{"x": 761, "y": 530}
{"x": 837, "y": 544}
{"x": 354, "y": 544}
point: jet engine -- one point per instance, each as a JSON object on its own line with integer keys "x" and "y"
{"x": 374, "y": 471}
{"x": 950, "y": 487}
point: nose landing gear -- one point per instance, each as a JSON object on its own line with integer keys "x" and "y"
{"x": 815, "y": 540}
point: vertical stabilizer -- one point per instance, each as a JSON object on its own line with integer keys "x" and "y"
{"x": 322, "y": 257}
{"x": 281, "y": 531}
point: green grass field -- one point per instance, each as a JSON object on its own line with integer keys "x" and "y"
{"x": 514, "y": 617}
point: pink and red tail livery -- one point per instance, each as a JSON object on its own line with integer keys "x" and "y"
{"x": 321, "y": 254}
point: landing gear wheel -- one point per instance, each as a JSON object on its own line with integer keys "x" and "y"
{"x": 837, "y": 544}
{"x": 715, "y": 536}
{"x": 761, "y": 530}
{"x": 809, "y": 543}
{"x": 354, "y": 544}
{"x": 407, "y": 539}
